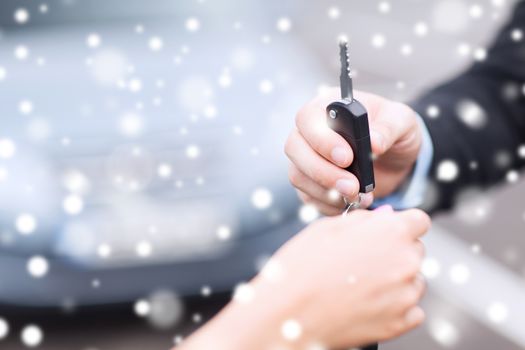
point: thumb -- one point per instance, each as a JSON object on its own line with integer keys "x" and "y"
{"x": 392, "y": 124}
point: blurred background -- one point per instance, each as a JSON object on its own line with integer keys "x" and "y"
{"x": 142, "y": 175}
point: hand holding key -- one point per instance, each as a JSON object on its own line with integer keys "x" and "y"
{"x": 319, "y": 155}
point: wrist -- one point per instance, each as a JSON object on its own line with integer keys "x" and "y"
{"x": 247, "y": 323}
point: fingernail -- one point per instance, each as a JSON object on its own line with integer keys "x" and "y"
{"x": 415, "y": 315}
{"x": 346, "y": 187}
{"x": 340, "y": 156}
{"x": 377, "y": 138}
{"x": 367, "y": 199}
{"x": 386, "y": 207}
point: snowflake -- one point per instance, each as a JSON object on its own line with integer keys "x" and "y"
{"x": 225, "y": 79}
{"x": 430, "y": 268}
{"x": 262, "y": 198}
{"x": 471, "y": 113}
{"x": 165, "y": 309}
{"x": 308, "y": 213}
{"x": 421, "y": 29}
{"x": 291, "y": 330}
{"x": 131, "y": 124}
{"x": 243, "y": 293}
{"x": 521, "y": 151}
{"x": 334, "y": 13}
{"x": 135, "y": 85}
{"x": 497, "y": 312}
{"x": 26, "y": 224}
{"x": 75, "y": 181}
{"x": 196, "y": 318}
{"x": 4, "y": 328}
{"x": 516, "y": 34}
{"x": 433, "y": 111}
{"x": 25, "y": 107}
{"x": 192, "y": 24}
{"x": 512, "y": 176}
{"x": 406, "y": 50}
{"x": 447, "y": 171}
{"x": 156, "y": 43}
{"x": 284, "y": 24}
{"x": 266, "y": 86}
{"x": 21, "y": 16}
{"x": 7, "y": 148}
{"x": 459, "y": 274}
{"x": 104, "y": 250}
{"x": 464, "y": 49}
{"x": 21, "y": 52}
{"x": 142, "y": 307}
{"x": 93, "y": 40}
{"x": 164, "y": 170}
{"x": 476, "y": 11}
{"x": 378, "y": 41}
{"x": 192, "y": 151}
{"x": 224, "y": 232}
{"x": 384, "y": 7}
{"x": 144, "y": 249}
{"x": 210, "y": 111}
{"x": 73, "y": 204}
{"x": 206, "y": 291}
{"x": 32, "y": 336}
{"x": 37, "y": 266}
{"x": 95, "y": 283}
{"x": 444, "y": 332}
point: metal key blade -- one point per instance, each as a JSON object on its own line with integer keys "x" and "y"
{"x": 345, "y": 78}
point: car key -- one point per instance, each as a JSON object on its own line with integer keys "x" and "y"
{"x": 349, "y": 118}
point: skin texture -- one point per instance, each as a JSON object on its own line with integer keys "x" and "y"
{"x": 319, "y": 155}
{"x": 318, "y": 280}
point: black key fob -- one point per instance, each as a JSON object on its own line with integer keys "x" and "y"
{"x": 350, "y": 120}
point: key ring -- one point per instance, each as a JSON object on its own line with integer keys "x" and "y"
{"x": 350, "y": 206}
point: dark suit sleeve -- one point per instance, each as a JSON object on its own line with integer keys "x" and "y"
{"x": 481, "y": 120}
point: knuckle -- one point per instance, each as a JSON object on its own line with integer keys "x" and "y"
{"x": 395, "y": 328}
{"x": 413, "y": 265}
{"x": 320, "y": 179}
{"x": 420, "y": 248}
{"x": 304, "y": 197}
{"x": 300, "y": 115}
{"x": 422, "y": 217}
{"x": 410, "y": 298}
{"x": 294, "y": 175}
{"x": 288, "y": 146}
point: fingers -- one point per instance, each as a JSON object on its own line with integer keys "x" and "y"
{"x": 317, "y": 168}
{"x": 414, "y": 318}
{"x": 417, "y": 222}
{"x": 313, "y": 189}
{"x": 419, "y": 247}
{"x": 311, "y": 124}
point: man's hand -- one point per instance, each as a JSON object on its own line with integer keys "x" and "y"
{"x": 319, "y": 155}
